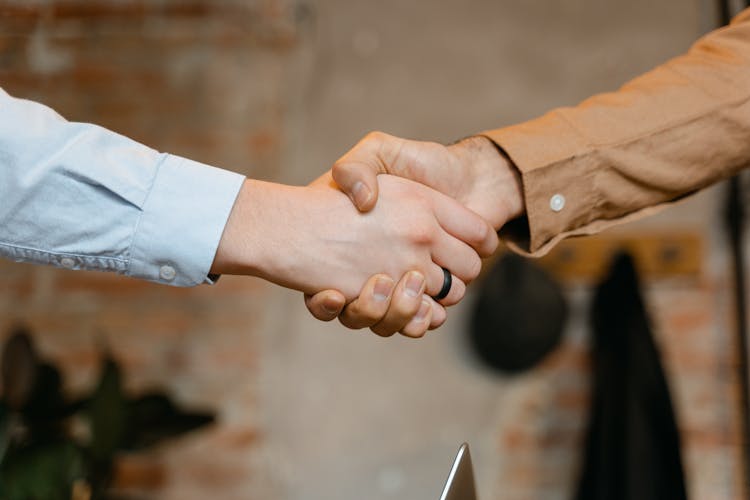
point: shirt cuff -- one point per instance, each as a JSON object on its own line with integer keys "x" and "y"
{"x": 558, "y": 181}
{"x": 182, "y": 222}
{"x": 567, "y": 187}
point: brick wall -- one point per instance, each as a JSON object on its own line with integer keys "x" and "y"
{"x": 542, "y": 429}
{"x": 199, "y": 78}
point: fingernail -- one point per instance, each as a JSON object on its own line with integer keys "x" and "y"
{"x": 423, "y": 310}
{"x": 360, "y": 194}
{"x": 382, "y": 288}
{"x": 414, "y": 284}
{"x": 330, "y": 307}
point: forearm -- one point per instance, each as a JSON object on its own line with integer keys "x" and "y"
{"x": 620, "y": 156}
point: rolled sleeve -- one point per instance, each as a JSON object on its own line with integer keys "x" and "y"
{"x": 178, "y": 232}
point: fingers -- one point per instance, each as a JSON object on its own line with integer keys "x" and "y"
{"x": 458, "y": 257}
{"x": 418, "y": 325}
{"x": 410, "y": 304}
{"x": 420, "y": 322}
{"x": 371, "y": 305}
{"x": 439, "y": 315}
{"x": 325, "y": 305}
{"x": 462, "y": 223}
{"x": 435, "y": 280}
{"x": 401, "y": 308}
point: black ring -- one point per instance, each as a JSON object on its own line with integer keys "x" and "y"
{"x": 447, "y": 284}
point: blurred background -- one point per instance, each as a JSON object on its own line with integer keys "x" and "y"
{"x": 277, "y": 90}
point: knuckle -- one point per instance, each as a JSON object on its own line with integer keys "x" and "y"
{"x": 352, "y": 318}
{"x": 375, "y": 136}
{"x": 382, "y": 331}
{"x": 456, "y": 294}
{"x": 404, "y": 310}
{"x": 348, "y": 320}
{"x": 323, "y": 315}
{"x": 421, "y": 234}
{"x": 459, "y": 292}
{"x": 340, "y": 172}
{"x": 494, "y": 243}
{"x": 482, "y": 232}
{"x": 342, "y": 165}
{"x": 474, "y": 268}
{"x": 348, "y": 323}
{"x": 365, "y": 313}
{"x": 413, "y": 333}
{"x": 435, "y": 148}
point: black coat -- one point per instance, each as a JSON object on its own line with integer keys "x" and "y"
{"x": 632, "y": 449}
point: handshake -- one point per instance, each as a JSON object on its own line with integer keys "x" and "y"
{"x": 388, "y": 252}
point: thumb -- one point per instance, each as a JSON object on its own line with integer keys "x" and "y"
{"x": 359, "y": 181}
{"x": 356, "y": 172}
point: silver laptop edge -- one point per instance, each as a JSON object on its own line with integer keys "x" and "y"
{"x": 460, "y": 482}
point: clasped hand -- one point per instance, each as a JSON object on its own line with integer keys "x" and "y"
{"x": 473, "y": 172}
{"x": 369, "y": 248}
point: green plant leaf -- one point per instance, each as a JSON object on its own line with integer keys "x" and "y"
{"x": 4, "y": 431}
{"x": 108, "y": 412}
{"x": 19, "y": 369}
{"x": 46, "y": 408}
{"x": 154, "y": 417}
{"x": 42, "y": 472}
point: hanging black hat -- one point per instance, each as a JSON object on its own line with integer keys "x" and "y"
{"x": 518, "y": 317}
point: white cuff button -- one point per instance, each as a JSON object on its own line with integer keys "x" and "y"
{"x": 67, "y": 262}
{"x": 167, "y": 273}
{"x": 557, "y": 202}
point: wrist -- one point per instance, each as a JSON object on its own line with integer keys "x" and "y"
{"x": 243, "y": 246}
{"x": 509, "y": 177}
{"x": 497, "y": 180}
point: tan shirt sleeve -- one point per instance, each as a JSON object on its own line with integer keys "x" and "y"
{"x": 623, "y": 155}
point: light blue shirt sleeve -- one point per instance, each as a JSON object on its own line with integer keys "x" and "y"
{"x": 78, "y": 196}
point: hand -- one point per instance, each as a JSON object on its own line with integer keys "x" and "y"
{"x": 311, "y": 238}
{"x": 383, "y": 305}
{"x": 472, "y": 171}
